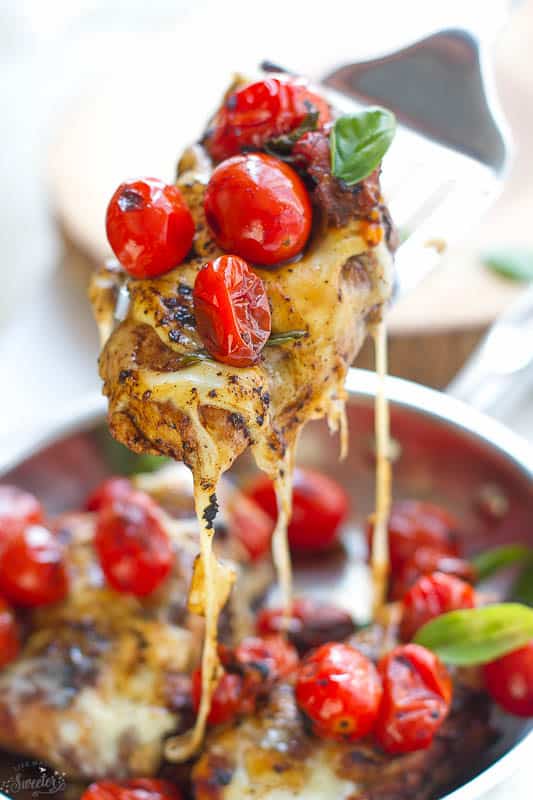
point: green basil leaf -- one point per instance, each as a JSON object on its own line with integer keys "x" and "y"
{"x": 522, "y": 591}
{"x": 477, "y": 635}
{"x": 286, "y": 336}
{"x": 491, "y": 561}
{"x": 515, "y": 263}
{"x": 359, "y": 141}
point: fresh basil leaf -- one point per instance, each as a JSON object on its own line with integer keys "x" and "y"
{"x": 286, "y": 336}
{"x": 522, "y": 591}
{"x": 282, "y": 145}
{"x": 515, "y": 263}
{"x": 477, "y": 635}
{"x": 359, "y": 141}
{"x": 491, "y": 561}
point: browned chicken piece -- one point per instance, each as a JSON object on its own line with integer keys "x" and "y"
{"x": 103, "y": 676}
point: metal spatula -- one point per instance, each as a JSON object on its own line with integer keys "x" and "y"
{"x": 450, "y": 154}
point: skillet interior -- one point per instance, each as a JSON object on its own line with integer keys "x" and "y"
{"x": 447, "y": 453}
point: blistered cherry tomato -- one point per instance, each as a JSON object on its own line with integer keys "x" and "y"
{"x": 509, "y": 681}
{"x": 319, "y": 506}
{"x": 258, "y": 207}
{"x": 149, "y": 227}
{"x": 425, "y": 561}
{"x": 232, "y": 311}
{"x": 417, "y": 694}
{"x": 261, "y": 111}
{"x": 134, "y": 789}
{"x": 134, "y": 549}
{"x": 32, "y": 568}
{"x": 226, "y": 700}
{"x": 431, "y": 596}
{"x": 9, "y": 638}
{"x": 339, "y": 690}
{"x": 263, "y": 660}
{"x": 107, "y": 491}
{"x": 17, "y": 509}
{"x": 311, "y": 623}
{"x": 250, "y": 526}
{"x": 415, "y": 524}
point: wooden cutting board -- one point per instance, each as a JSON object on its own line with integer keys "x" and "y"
{"x": 121, "y": 129}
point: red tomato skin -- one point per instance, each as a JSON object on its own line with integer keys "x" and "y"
{"x": 509, "y": 681}
{"x": 414, "y": 524}
{"x": 425, "y": 561}
{"x": 258, "y": 207}
{"x": 226, "y": 700}
{"x": 134, "y": 789}
{"x": 264, "y": 660}
{"x": 134, "y": 550}
{"x": 232, "y": 311}
{"x": 17, "y": 509}
{"x": 319, "y": 506}
{"x": 149, "y": 227}
{"x": 261, "y": 111}
{"x": 417, "y": 694}
{"x": 250, "y": 526}
{"x": 107, "y": 491}
{"x": 9, "y": 637}
{"x": 340, "y": 691}
{"x": 431, "y": 596}
{"x": 32, "y": 568}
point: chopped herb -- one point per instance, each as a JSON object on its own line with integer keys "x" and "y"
{"x": 287, "y": 336}
{"x": 282, "y": 145}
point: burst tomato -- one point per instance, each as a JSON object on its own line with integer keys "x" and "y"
{"x": 509, "y": 681}
{"x": 232, "y": 311}
{"x": 9, "y": 638}
{"x": 226, "y": 700}
{"x": 250, "y": 526}
{"x": 262, "y": 660}
{"x": 425, "y": 561}
{"x": 319, "y": 506}
{"x": 107, "y": 491}
{"x": 261, "y": 111}
{"x": 134, "y": 549}
{"x": 17, "y": 509}
{"x": 149, "y": 227}
{"x": 258, "y": 207}
{"x": 340, "y": 691}
{"x": 417, "y": 694}
{"x": 134, "y": 789}
{"x": 415, "y": 524}
{"x": 431, "y": 596}
{"x": 32, "y": 568}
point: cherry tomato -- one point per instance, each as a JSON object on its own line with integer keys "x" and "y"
{"x": 263, "y": 660}
{"x": 339, "y": 690}
{"x": 17, "y": 509}
{"x": 149, "y": 227}
{"x": 134, "y": 789}
{"x": 226, "y": 700}
{"x": 509, "y": 681}
{"x": 266, "y": 109}
{"x": 415, "y": 524}
{"x": 9, "y": 638}
{"x": 311, "y": 624}
{"x": 32, "y": 568}
{"x": 319, "y": 506}
{"x": 425, "y": 561}
{"x": 417, "y": 694}
{"x": 232, "y": 311}
{"x": 251, "y": 527}
{"x": 431, "y": 596}
{"x": 107, "y": 491}
{"x": 258, "y": 207}
{"x": 133, "y": 547}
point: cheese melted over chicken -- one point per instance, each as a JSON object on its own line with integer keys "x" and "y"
{"x": 163, "y": 399}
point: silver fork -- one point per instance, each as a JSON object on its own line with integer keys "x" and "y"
{"x": 451, "y": 152}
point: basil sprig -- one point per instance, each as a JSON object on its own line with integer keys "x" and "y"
{"x": 359, "y": 141}
{"x": 478, "y": 635}
{"x": 491, "y": 561}
{"x": 515, "y": 263}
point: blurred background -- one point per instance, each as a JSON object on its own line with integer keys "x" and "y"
{"x": 96, "y": 91}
